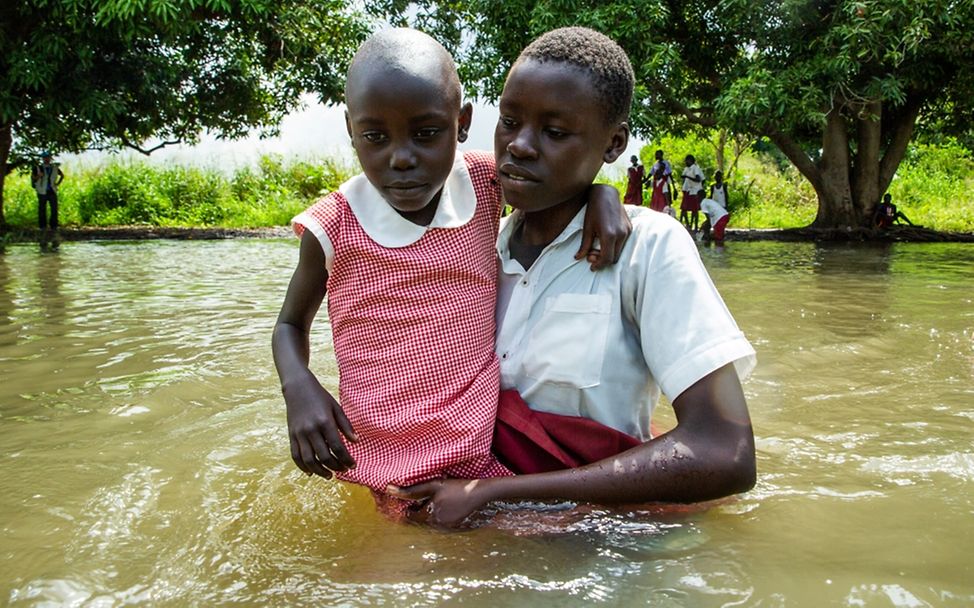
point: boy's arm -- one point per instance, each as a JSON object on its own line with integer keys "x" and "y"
{"x": 315, "y": 420}
{"x": 606, "y": 220}
{"x": 710, "y": 454}
{"x": 60, "y": 176}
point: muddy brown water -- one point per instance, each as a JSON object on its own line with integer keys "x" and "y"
{"x": 144, "y": 458}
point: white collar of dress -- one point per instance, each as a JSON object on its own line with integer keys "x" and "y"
{"x": 385, "y": 226}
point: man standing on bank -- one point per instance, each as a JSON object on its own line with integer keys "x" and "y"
{"x": 46, "y": 177}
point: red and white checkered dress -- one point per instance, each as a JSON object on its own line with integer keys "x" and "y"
{"x": 413, "y": 330}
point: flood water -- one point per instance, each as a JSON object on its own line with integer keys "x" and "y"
{"x": 144, "y": 456}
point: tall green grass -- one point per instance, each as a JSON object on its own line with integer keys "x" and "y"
{"x": 134, "y": 192}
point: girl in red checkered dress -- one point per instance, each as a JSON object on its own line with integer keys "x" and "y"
{"x": 406, "y": 254}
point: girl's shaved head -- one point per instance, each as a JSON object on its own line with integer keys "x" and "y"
{"x": 407, "y": 52}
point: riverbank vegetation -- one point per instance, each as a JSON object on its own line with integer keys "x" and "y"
{"x": 934, "y": 187}
{"x": 137, "y": 192}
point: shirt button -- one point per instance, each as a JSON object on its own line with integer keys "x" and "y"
{"x": 504, "y": 356}
{"x": 524, "y": 282}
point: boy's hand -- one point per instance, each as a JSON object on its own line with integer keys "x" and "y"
{"x": 607, "y": 221}
{"x": 448, "y": 501}
{"x": 316, "y": 423}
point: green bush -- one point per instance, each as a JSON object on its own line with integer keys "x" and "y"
{"x": 133, "y": 192}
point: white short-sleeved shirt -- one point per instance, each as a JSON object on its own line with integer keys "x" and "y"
{"x": 602, "y": 344}
{"x": 689, "y": 185}
{"x": 667, "y": 167}
{"x": 713, "y": 209}
{"x": 719, "y": 194}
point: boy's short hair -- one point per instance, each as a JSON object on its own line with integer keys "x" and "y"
{"x": 596, "y": 53}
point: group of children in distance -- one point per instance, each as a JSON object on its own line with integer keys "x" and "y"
{"x": 663, "y": 195}
{"x": 476, "y": 366}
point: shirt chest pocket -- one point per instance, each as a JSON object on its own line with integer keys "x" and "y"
{"x": 567, "y": 344}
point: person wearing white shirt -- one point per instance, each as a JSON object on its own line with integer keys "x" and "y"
{"x": 718, "y": 191}
{"x": 692, "y": 193}
{"x": 598, "y": 348}
{"x": 717, "y": 217}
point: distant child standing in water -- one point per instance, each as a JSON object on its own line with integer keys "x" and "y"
{"x": 662, "y": 193}
{"x": 405, "y": 254}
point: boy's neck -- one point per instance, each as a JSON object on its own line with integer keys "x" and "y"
{"x": 542, "y": 227}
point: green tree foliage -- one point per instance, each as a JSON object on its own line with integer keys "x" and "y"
{"x": 105, "y": 74}
{"x": 839, "y": 86}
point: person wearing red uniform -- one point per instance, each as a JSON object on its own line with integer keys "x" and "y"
{"x": 636, "y": 179}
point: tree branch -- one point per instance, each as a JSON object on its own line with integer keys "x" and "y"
{"x": 693, "y": 117}
{"x": 798, "y": 157}
{"x": 148, "y": 151}
{"x": 900, "y": 139}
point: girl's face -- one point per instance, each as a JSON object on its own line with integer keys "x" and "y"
{"x": 404, "y": 130}
{"x": 552, "y": 136}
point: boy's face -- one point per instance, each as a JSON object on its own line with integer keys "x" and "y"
{"x": 404, "y": 131}
{"x": 551, "y": 138}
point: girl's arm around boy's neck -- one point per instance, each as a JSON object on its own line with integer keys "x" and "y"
{"x": 606, "y": 220}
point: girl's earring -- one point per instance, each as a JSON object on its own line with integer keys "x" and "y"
{"x": 462, "y": 135}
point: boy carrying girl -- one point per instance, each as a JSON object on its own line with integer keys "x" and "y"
{"x": 405, "y": 252}
{"x": 591, "y": 352}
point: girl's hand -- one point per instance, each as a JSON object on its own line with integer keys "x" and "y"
{"x": 316, "y": 424}
{"x": 606, "y": 220}
{"x": 448, "y": 501}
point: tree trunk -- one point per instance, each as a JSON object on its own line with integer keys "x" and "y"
{"x": 866, "y": 189}
{"x": 836, "y": 207}
{"x": 721, "y": 142}
{"x": 6, "y": 141}
{"x": 849, "y": 189}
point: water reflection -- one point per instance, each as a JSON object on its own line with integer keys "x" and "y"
{"x": 6, "y": 295}
{"x": 49, "y": 283}
{"x": 852, "y": 294}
